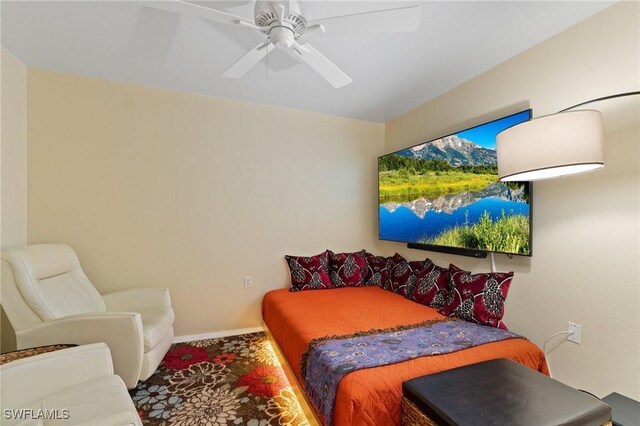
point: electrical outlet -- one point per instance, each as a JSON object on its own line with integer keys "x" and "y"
{"x": 248, "y": 282}
{"x": 576, "y": 332}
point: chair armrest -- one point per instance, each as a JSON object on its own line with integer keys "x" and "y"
{"x": 29, "y": 379}
{"x": 121, "y": 331}
{"x": 137, "y": 298}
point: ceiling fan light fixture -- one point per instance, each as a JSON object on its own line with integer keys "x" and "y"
{"x": 282, "y": 37}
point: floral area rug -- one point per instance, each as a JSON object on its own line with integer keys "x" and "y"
{"x": 234, "y": 380}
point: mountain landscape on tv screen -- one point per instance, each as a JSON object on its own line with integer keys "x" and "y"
{"x": 446, "y": 193}
{"x": 455, "y": 150}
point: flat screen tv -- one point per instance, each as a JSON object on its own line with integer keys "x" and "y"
{"x": 444, "y": 195}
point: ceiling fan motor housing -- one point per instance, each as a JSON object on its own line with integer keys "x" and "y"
{"x": 282, "y": 33}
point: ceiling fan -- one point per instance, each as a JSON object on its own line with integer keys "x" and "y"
{"x": 285, "y": 27}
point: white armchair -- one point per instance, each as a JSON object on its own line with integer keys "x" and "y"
{"x": 74, "y": 386}
{"x": 49, "y": 299}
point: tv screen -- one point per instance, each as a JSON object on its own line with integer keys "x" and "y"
{"x": 444, "y": 195}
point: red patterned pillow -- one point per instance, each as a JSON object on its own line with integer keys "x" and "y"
{"x": 431, "y": 286}
{"x": 348, "y": 269}
{"x": 402, "y": 276}
{"x": 309, "y": 273}
{"x": 450, "y": 293}
{"x": 377, "y": 268}
{"x": 477, "y": 297}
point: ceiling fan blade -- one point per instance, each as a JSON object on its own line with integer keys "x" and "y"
{"x": 312, "y": 28}
{"x": 323, "y": 66}
{"x": 404, "y": 19}
{"x": 280, "y": 13}
{"x": 186, "y": 8}
{"x": 248, "y": 61}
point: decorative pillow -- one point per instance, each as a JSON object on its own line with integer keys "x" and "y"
{"x": 477, "y": 297}
{"x": 402, "y": 276}
{"x": 431, "y": 286}
{"x": 309, "y": 273}
{"x": 377, "y": 268}
{"x": 348, "y": 269}
{"x": 450, "y": 293}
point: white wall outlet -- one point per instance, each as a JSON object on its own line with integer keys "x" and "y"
{"x": 576, "y": 332}
{"x": 248, "y": 282}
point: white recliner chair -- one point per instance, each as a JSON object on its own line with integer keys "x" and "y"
{"x": 49, "y": 300}
{"x": 74, "y": 386}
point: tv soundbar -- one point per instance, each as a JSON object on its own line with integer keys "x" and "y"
{"x": 450, "y": 250}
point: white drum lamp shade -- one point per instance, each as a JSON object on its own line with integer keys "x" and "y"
{"x": 551, "y": 146}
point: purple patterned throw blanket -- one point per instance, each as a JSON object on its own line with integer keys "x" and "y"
{"x": 327, "y": 360}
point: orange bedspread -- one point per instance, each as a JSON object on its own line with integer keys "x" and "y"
{"x": 371, "y": 396}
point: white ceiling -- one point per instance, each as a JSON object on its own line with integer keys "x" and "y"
{"x": 392, "y": 73}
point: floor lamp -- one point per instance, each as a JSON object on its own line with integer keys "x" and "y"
{"x": 555, "y": 145}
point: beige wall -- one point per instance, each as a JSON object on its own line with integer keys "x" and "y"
{"x": 160, "y": 188}
{"x": 586, "y": 248}
{"x": 13, "y": 166}
{"x": 13, "y": 214}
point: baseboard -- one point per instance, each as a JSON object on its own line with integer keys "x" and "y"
{"x": 216, "y": 334}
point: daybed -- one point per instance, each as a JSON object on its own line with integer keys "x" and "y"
{"x": 371, "y": 396}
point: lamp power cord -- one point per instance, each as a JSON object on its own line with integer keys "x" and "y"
{"x": 544, "y": 345}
